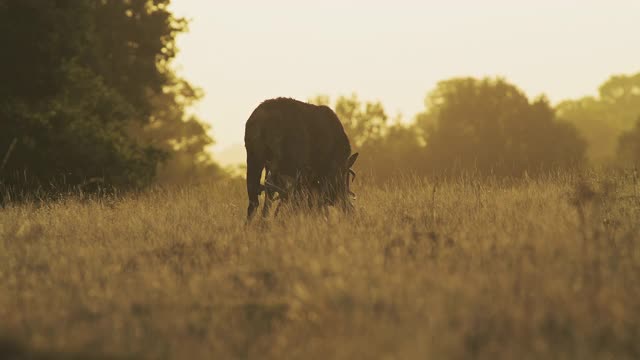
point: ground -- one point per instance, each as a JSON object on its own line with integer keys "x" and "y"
{"x": 457, "y": 269}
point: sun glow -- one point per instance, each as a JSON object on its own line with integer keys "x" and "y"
{"x": 241, "y": 53}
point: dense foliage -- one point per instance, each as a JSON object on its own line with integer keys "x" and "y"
{"x": 87, "y": 94}
{"x": 602, "y": 119}
{"x": 473, "y": 126}
{"x": 489, "y": 126}
{"x": 629, "y": 147}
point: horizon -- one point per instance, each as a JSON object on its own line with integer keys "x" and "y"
{"x": 393, "y": 53}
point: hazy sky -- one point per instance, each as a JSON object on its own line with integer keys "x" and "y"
{"x": 242, "y": 52}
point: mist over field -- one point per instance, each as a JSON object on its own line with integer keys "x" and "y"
{"x": 492, "y": 223}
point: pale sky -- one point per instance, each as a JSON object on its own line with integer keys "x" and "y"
{"x": 243, "y": 52}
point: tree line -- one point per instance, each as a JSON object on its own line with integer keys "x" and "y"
{"x": 489, "y": 126}
{"x": 89, "y": 99}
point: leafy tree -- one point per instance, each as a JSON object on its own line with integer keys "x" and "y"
{"x": 174, "y": 132}
{"x": 133, "y": 43}
{"x": 399, "y": 151}
{"x": 363, "y": 122}
{"x": 144, "y": 45}
{"x": 489, "y": 126}
{"x": 87, "y": 93}
{"x": 629, "y": 147}
{"x": 386, "y": 149}
{"x": 602, "y": 119}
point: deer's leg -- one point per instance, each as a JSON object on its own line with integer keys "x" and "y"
{"x": 268, "y": 195}
{"x": 254, "y": 170}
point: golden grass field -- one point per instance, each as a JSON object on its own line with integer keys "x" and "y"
{"x": 532, "y": 269}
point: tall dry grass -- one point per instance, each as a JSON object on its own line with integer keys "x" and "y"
{"x": 537, "y": 269}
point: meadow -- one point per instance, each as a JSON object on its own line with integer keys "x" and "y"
{"x": 543, "y": 268}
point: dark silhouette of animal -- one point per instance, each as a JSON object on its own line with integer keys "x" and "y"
{"x": 303, "y": 148}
